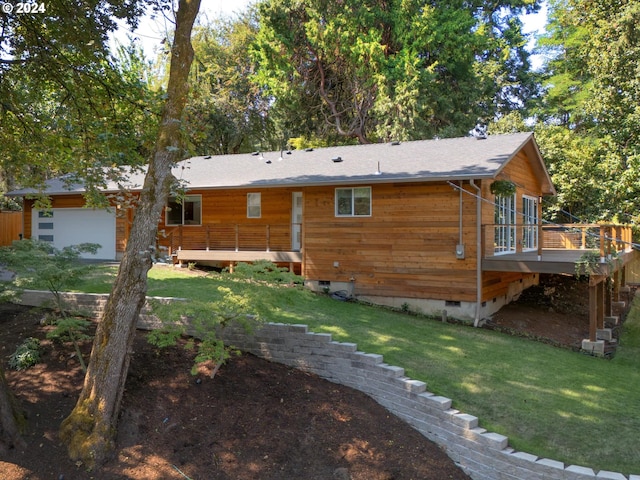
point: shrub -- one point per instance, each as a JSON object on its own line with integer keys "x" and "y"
{"x": 26, "y": 355}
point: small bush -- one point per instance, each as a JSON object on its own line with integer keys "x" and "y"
{"x": 26, "y": 355}
{"x": 264, "y": 271}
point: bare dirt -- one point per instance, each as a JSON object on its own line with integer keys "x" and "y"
{"x": 255, "y": 420}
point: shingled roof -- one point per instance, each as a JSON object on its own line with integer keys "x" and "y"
{"x": 425, "y": 160}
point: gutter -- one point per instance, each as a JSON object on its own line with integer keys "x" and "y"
{"x": 476, "y": 321}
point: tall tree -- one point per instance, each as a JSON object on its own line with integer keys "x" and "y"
{"x": 377, "y": 70}
{"x": 89, "y": 430}
{"x": 591, "y": 92}
{"x": 227, "y": 111}
{"x": 59, "y": 89}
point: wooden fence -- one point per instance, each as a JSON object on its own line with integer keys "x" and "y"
{"x": 10, "y": 227}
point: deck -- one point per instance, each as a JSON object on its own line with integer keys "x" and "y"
{"x": 561, "y": 248}
{"x": 232, "y": 243}
{"x": 554, "y": 261}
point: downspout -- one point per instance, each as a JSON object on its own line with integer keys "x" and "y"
{"x": 476, "y": 321}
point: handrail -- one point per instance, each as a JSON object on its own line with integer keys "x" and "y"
{"x": 234, "y": 237}
{"x": 606, "y": 238}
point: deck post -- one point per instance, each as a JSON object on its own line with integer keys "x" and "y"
{"x": 237, "y": 237}
{"x": 583, "y": 245}
{"x": 207, "y": 238}
{"x": 268, "y": 237}
{"x": 596, "y": 305}
{"x": 602, "y": 244}
{"x": 608, "y": 298}
{"x": 539, "y": 232}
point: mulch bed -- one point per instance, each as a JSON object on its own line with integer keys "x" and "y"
{"x": 255, "y": 420}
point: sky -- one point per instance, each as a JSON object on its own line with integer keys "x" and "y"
{"x": 152, "y": 32}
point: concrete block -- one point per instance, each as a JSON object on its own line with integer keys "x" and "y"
{"x": 595, "y": 348}
{"x": 610, "y": 475}
{"x": 551, "y": 463}
{"x": 390, "y": 370}
{"x": 464, "y": 420}
{"x": 604, "y": 334}
{"x": 611, "y": 321}
{"x": 435, "y": 401}
{"x": 411, "y": 386}
{"x": 582, "y": 471}
{"x": 619, "y": 305}
{"x": 361, "y": 358}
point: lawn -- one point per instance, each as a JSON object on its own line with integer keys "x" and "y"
{"x": 550, "y": 402}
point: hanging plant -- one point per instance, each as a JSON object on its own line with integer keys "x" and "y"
{"x": 503, "y": 188}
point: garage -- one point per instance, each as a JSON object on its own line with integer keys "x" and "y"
{"x": 72, "y": 226}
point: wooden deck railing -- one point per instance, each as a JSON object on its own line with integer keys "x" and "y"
{"x": 232, "y": 237}
{"x": 605, "y": 238}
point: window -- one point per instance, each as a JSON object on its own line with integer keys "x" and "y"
{"x": 353, "y": 202}
{"x": 505, "y": 224}
{"x": 254, "y": 205}
{"x": 530, "y": 223}
{"x": 185, "y": 210}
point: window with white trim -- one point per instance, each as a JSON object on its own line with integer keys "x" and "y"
{"x": 185, "y": 210}
{"x": 254, "y": 205}
{"x": 505, "y": 225}
{"x": 529, "y": 223}
{"x": 353, "y": 202}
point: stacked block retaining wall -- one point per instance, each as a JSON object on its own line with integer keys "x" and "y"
{"x": 481, "y": 454}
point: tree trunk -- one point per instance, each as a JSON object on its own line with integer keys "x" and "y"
{"x": 89, "y": 431}
{"x": 10, "y": 417}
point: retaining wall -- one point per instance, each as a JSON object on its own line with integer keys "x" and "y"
{"x": 482, "y": 455}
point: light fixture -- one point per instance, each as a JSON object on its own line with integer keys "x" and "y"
{"x": 336, "y": 159}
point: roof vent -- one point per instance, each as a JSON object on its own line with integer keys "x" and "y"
{"x": 336, "y": 159}
{"x": 255, "y": 154}
{"x": 308, "y": 149}
{"x": 207, "y": 157}
{"x": 394, "y": 143}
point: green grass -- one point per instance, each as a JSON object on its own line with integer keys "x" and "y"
{"x": 550, "y": 402}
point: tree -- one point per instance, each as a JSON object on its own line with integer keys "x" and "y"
{"x": 66, "y": 104}
{"x": 89, "y": 430}
{"x": 378, "y": 70}
{"x": 11, "y": 417}
{"x": 591, "y": 93}
{"x": 227, "y": 111}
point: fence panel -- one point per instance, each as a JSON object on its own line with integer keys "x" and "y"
{"x": 10, "y": 227}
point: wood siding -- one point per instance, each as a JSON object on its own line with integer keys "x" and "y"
{"x": 222, "y": 210}
{"x": 406, "y": 248}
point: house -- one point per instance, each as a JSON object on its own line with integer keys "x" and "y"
{"x": 437, "y": 225}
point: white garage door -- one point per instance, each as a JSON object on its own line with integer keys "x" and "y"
{"x": 72, "y": 226}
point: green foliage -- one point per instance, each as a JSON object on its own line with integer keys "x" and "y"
{"x": 505, "y": 188}
{"x": 8, "y": 204}
{"x": 591, "y": 92}
{"x": 266, "y": 272}
{"x": 26, "y": 355}
{"x": 205, "y": 321}
{"x": 374, "y": 71}
{"x": 39, "y": 264}
{"x": 226, "y": 110}
{"x": 73, "y": 330}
